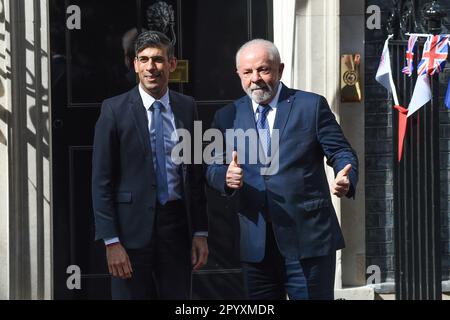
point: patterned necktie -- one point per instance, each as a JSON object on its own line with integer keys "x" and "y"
{"x": 160, "y": 151}
{"x": 263, "y": 127}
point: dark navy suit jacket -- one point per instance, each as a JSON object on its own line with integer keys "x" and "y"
{"x": 297, "y": 197}
{"x": 123, "y": 177}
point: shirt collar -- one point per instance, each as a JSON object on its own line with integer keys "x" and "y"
{"x": 273, "y": 103}
{"x": 148, "y": 100}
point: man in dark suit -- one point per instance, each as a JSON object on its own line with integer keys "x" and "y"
{"x": 289, "y": 232}
{"x": 149, "y": 209}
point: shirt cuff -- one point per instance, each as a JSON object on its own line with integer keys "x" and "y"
{"x": 201, "y": 234}
{"x": 111, "y": 240}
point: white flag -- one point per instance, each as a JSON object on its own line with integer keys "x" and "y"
{"x": 421, "y": 94}
{"x": 384, "y": 73}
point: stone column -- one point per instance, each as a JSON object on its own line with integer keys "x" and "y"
{"x": 5, "y": 124}
{"x": 284, "y": 33}
{"x": 324, "y": 30}
{"x": 26, "y": 216}
{"x": 353, "y": 220}
{"x": 317, "y": 63}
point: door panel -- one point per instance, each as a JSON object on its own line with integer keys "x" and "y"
{"x": 96, "y": 66}
{"x": 212, "y": 32}
{"x": 93, "y": 63}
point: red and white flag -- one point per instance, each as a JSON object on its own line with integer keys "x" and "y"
{"x": 384, "y": 77}
{"x": 421, "y": 94}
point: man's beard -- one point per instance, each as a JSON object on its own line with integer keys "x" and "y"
{"x": 264, "y": 93}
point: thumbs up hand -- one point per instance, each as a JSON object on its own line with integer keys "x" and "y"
{"x": 341, "y": 183}
{"x": 235, "y": 175}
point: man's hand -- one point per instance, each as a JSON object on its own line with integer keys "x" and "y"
{"x": 118, "y": 262}
{"x": 341, "y": 184}
{"x": 235, "y": 175}
{"x": 200, "y": 251}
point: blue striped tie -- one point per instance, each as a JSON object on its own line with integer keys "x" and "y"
{"x": 161, "y": 172}
{"x": 263, "y": 127}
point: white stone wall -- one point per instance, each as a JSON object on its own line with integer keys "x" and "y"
{"x": 25, "y": 215}
{"x": 5, "y": 111}
{"x": 352, "y": 121}
{"x": 284, "y": 36}
{"x": 316, "y": 65}
{"x": 38, "y": 150}
{"x": 322, "y": 31}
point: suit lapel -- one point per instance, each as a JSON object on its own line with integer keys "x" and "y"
{"x": 245, "y": 120}
{"x": 180, "y": 118}
{"x": 178, "y": 111}
{"x": 140, "y": 120}
{"x": 245, "y": 117}
{"x": 284, "y": 106}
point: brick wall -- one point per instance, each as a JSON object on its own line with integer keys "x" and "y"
{"x": 378, "y": 145}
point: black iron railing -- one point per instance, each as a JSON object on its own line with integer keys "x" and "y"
{"x": 417, "y": 178}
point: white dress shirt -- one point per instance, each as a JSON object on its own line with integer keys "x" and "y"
{"x": 273, "y": 111}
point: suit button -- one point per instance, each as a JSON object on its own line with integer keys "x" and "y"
{"x": 153, "y": 186}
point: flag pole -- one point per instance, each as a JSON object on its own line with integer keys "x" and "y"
{"x": 418, "y": 34}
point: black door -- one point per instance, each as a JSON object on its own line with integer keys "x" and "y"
{"x": 90, "y": 61}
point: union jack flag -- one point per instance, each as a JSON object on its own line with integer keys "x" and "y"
{"x": 408, "y": 69}
{"x": 434, "y": 55}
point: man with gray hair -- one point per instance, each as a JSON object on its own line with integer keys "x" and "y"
{"x": 149, "y": 211}
{"x": 289, "y": 232}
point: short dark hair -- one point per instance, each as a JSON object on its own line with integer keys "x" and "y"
{"x": 153, "y": 39}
